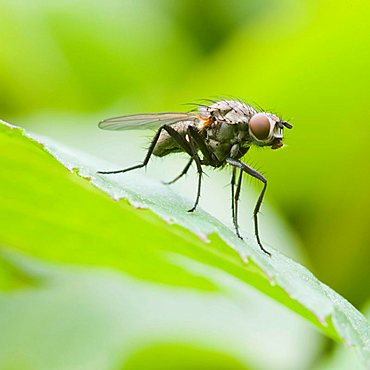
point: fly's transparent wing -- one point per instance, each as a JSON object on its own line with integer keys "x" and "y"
{"x": 147, "y": 121}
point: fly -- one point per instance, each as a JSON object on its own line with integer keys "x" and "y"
{"x": 216, "y": 135}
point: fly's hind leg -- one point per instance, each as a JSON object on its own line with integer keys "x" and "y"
{"x": 173, "y": 133}
{"x": 183, "y": 172}
{"x": 146, "y": 159}
{"x": 187, "y": 146}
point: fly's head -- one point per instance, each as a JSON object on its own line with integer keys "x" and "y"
{"x": 266, "y": 129}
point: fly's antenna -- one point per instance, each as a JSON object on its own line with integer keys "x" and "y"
{"x": 286, "y": 124}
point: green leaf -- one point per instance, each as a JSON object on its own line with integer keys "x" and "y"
{"x": 88, "y": 254}
{"x": 340, "y": 358}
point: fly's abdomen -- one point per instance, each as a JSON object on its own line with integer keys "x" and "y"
{"x": 166, "y": 144}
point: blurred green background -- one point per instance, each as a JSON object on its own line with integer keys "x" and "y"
{"x": 65, "y": 65}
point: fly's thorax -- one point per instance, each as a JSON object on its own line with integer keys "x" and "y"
{"x": 223, "y": 132}
{"x": 266, "y": 129}
{"x": 228, "y": 111}
{"x": 222, "y": 137}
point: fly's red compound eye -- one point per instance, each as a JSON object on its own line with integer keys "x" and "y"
{"x": 259, "y": 125}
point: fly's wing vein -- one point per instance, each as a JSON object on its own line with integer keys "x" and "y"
{"x": 147, "y": 121}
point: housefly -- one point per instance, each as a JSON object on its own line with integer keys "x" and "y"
{"x": 217, "y": 135}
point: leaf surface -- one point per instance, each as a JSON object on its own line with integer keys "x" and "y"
{"x": 86, "y": 238}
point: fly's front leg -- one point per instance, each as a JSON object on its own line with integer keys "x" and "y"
{"x": 232, "y": 183}
{"x": 184, "y": 172}
{"x": 236, "y": 202}
{"x": 235, "y": 199}
{"x": 252, "y": 172}
{"x": 173, "y": 133}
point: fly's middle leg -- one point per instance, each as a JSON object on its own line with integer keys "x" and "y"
{"x": 209, "y": 156}
{"x": 183, "y": 172}
{"x": 198, "y": 163}
{"x": 190, "y": 148}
